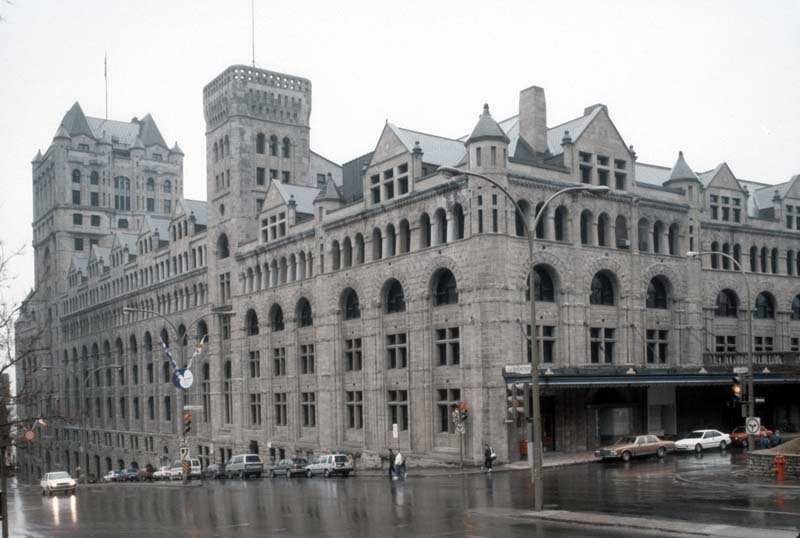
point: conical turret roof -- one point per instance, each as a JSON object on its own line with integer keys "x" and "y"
{"x": 149, "y": 133}
{"x": 176, "y": 149}
{"x": 138, "y": 144}
{"x": 62, "y": 132}
{"x": 487, "y": 128}
{"x": 38, "y": 157}
{"x": 681, "y": 170}
{"x": 75, "y": 121}
{"x": 329, "y": 193}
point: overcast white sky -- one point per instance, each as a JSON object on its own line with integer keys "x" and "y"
{"x": 720, "y": 80}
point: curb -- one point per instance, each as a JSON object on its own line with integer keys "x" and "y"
{"x": 683, "y": 479}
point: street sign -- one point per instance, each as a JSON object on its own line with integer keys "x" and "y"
{"x": 752, "y": 425}
{"x": 760, "y": 400}
{"x": 193, "y": 407}
{"x": 183, "y": 441}
{"x": 460, "y": 428}
{"x": 182, "y": 378}
{"x": 740, "y": 369}
{"x": 395, "y": 432}
{"x": 184, "y": 452}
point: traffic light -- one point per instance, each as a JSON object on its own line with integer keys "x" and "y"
{"x": 464, "y": 411}
{"x": 737, "y": 389}
{"x": 187, "y": 423}
{"x": 515, "y": 392}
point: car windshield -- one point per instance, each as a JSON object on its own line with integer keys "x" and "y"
{"x": 253, "y": 459}
{"x": 627, "y": 440}
{"x": 300, "y": 461}
{"x": 340, "y": 459}
{"x": 695, "y": 435}
{"x": 59, "y": 476}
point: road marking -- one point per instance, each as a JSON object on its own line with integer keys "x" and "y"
{"x": 761, "y": 511}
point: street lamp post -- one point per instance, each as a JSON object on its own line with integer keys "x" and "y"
{"x": 751, "y": 397}
{"x": 530, "y": 228}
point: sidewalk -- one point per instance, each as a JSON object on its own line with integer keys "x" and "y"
{"x": 595, "y": 519}
{"x": 551, "y": 460}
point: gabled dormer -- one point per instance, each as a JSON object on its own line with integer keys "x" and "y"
{"x": 285, "y": 206}
{"x": 725, "y": 197}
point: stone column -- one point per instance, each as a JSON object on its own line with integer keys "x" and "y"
{"x": 451, "y": 227}
{"x": 550, "y": 225}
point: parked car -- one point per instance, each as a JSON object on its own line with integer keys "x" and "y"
{"x": 111, "y": 476}
{"x": 215, "y": 470}
{"x": 195, "y": 470}
{"x": 129, "y": 475}
{"x": 739, "y": 436}
{"x": 289, "y": 467}
{"x": 635, "y": 445}
{"x": 176, "y": 471}
{"x": 244, "y": 465}
{"x": 163, "y": 473}
{"x": 90, "y": 479}
{"x": 59, "y": 481}
{"x": 146, "y": 474}
{"x": 330, "y": 465}
{"x": 700, "y": 440}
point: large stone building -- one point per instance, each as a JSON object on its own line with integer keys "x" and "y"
{"x": 337, "y": 301}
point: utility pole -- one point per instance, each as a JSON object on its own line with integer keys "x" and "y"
{"x": 4, "y": 438}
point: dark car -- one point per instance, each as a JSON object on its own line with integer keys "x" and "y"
{"x": 215, "y": 470}
{"x": 289, "y": 467}
{"x": 146, "y": 474}
{"x": 128, "y": 475}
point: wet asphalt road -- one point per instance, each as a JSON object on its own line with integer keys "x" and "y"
{"x": 420, "y": 506}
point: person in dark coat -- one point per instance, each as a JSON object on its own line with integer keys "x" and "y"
{"x": 487, "y": 458}
{"x": 391, "y": 463}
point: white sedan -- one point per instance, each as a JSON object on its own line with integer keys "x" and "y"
{"x": 55, "y": 482}
{"x": 163, "y": 473}
{"x": 700, "y": 440}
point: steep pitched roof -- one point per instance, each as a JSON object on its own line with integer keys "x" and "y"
{"x": 436, "y": 149}
{"x": 149, "y": 133}
{"x": 123, "y": 132}
{"x": 487, "y": 128}
{"x": 303, "y": 196}
{"x": 197, "y": 208}
{"x": 327, "y": 194}
{"x": 652, "y": 174}
{"x": 75, "y": 122}
{"x": 681, "y": 170}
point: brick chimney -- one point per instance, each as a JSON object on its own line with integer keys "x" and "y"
{"x": 533, "y": 118}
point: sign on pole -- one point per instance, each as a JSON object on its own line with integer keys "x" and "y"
{"x": 184, "y": 452}
{"x": 752, "y": 425}
{"x": 740, "y": 369}
{"x": 395, "y": 431}
{"x": 182, "y": 441}
{"x": 460, "y": 428}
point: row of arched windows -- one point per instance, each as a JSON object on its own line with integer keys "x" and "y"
{"x": 285, "y": 145}
{"x": 763, "y": 260}
{"x": 221, "y": 148}
{"x": 150, "y": 184}
{"x": 764, "y": 307}
{"x": 277, "y": 272}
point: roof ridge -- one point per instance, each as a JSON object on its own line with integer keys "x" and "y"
{"x": 428, "y": 134}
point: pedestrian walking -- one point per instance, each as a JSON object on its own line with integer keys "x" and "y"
{"x": 488, "y": 457}
{"x": 399, "y": 466}
{"x": 391, "y": 463}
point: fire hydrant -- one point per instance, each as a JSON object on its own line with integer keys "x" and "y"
{"x": 779, "y": 462}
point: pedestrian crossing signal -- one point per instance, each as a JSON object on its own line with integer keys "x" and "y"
{"x": 736, "y": 389}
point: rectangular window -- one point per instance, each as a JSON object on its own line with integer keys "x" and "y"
{"x": 225, "y": 287}
{"x": 714, "y": 212}
{"x": 495, "y": 224}
{"x": 136, "y": 408}
{"x": 255, "y": 409}
{"x": 308, "y": 408}
{"x": 602, "y": 345}
{"x": 151, "y": 204}
{"x": 388, "y": 190}
{"x": 619, "y": 181}
{"x": 95, "y": 219}
{"x": 402, "y": 185}
{"x": 273, "y": 174}
{"x": 168, "y": 206}
{"x": 448, "y": 400}
{"x": 737, "y": 215}
{"x": 602, "y": 177}
{"x": 94, "y": 199}
{"x": 619, "y": 164}
{"x": 281, "y": 416}
{"x": 150, "y": 373}
{"x": 763, "y": 344}
{"x": 657, "y": 346}
{"x": 261, "y": 176}
{"x": 76, "y": 197}
{"x": 307, "y": 359}
{"x": 726, "y": 214}
{"x": 122, "y": 406}
{"x": 77, "y": 219}
{"x": 151, "y": 408}
{"x": 352, "y": 355}
{"x": 493, "y": 155}
{"x": 477, "y": 156}
{"x": 255, "y": 364}
{"x": 584, "y": 157}
{"x": 794, "y": 344}
{"x": 725, "y": 344}
{"x": 259, "y": 204}
{"x": 546, "y": 338}
{"x": 135, "y": 374}
{"x": 78, "y": 243}
{"x": 279, "y": 361}
{"x": 447, "y": 344}
{"x": 602, "y": 160}
{"x": 480, "y": 214}
{"x": 225, "y": 327}
{"x": 285, "y": 176}
{"x": 397, "y": 400}
{"x": 354, "y": 404}
{"x": 396, "y": 351}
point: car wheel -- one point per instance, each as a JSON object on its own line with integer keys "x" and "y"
{"x": 288, "y": 473}
{"x": 661, "y": 452}
{"x": 309, "y": 474}
{"x": 327, "y": 473}
{"x": 626, "y": 456}
{"x": 698, "y": 448}
{"x": 723, "y": 445}
{"x": 346, "y": 474}
{"x": 258, "y": 475}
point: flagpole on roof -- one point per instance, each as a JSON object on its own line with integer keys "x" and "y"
{"x": 105, "y": 75}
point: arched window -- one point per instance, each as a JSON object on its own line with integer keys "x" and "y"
{"x": 586, "y": 227}
{"x": 133, "y": 349}
{"x": 796, "y": 308}
{"x": 350, "y": 304}
{"x": 261, "y": 143}
{"x": 458, "y": 215}
{"x": 377, "y": 244}
{"x": 753, "y": 259}
{"x": 540, "y": 225}
{"x": 644, "y": 235}
{"x": 543, "y": 284}
{"x": 737, "y": 253}
{"x": 790, "y": 262}
{"x": 561, "y": 223}
{"x": 395, "y": 298}
{"x": 445, "y": 288}
{"x": 672, "y": 238}
{"x": 715, "y": 257}
{"x": 76, "y": 176}
{"x": 602, "y": 230}
{"x": 765, "y": 306}
{"x": 273, "y": 145}
{"x": 774, "y": 260}
{"x": 287, "y": 147}
{"x": 251, "y": 323}
{"x": 657, "y": 293}
{"x": 151, "y": 184}
{"x": 94, "y": 178}
{"x": 621, "y": 232}
{"x": 424, "y": 230}
{"x": 304, "y": 314}
{"x": 602, "y": 292}
{"x": 391, "y": 241}
{"x": 216, "y": 152}
{"x": 520, "y": 220}
{"x": 440, "y": 218}
{"x": 764, "y": 256}
{"x": 726, "y": 262}
{"x": 182, "y": 335}
{"x": 202, "y": 331}
{"x": 148, "y": 342}
{"x": 335, "y": 256}
{"x": 658, "y": 237}
{"x": 167, "y": 185}
{"x": 164, "y": 337}
{"x": 359, "y": 249}
{"x": 727, "y": 304}
{"x": 347, "y": 253}
{"x": 227, "y": 146}
{"x": 276, "y": 318}
{"x": 404, "y": 237}
{"x": 222, "y": 246}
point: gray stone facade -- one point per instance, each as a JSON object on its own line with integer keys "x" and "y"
{"x": 329, "y": 320}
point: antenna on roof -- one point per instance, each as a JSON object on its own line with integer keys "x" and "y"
{"x": 105, "y": 75}
{"x": 253, "y": 28}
